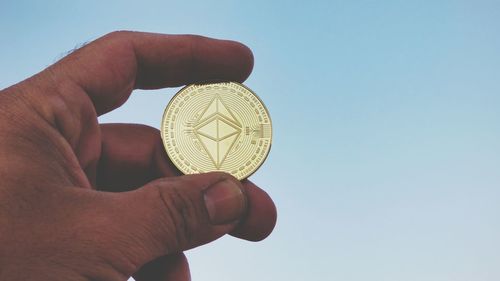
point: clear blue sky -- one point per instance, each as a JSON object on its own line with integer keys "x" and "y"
{"x": 386, "y": 158}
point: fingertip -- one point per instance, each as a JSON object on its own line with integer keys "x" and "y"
{"x": 261, "y": 217}
{"x": 163, "y": 165}
{"x": 235, "y": 60}
{"x": 246, "y": 60}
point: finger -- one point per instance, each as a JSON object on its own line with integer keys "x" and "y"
{"x": 109, "y": 68}
{"x": 169, "y": 215}
{"x": 131, "y": 156}
{"x": 261, "y": 215}
{"x": 173, "y": 267}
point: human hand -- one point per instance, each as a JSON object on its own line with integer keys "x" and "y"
{"x": 84, "y": 201}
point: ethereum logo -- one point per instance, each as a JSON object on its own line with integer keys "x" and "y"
{"x": 217, "y": 130}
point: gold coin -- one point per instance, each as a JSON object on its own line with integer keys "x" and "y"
{"x": 217, "y": 127}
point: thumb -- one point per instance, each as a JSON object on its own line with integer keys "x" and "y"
{"x": 170, "y": 215}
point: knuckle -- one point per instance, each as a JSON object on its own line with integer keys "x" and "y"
{"x": 100, "y": 230}
{"x": 182, "y": 218}
{"x": 118, "y": 35}
{"x": 195, "y": 39}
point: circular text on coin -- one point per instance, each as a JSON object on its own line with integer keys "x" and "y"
{"x": 217, "y": 127}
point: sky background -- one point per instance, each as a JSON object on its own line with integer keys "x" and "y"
{"x": 385, "y": 162}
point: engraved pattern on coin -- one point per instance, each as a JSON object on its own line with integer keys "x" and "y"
{"x": 217, "y": 127}
{"x": 217, "y": 130}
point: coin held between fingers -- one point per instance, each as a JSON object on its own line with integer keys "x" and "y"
{"x": 217, "y": 127}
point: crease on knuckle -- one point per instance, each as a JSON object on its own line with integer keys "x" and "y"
{"x": 193, "y": 57}
{"x": 180, "y": 220}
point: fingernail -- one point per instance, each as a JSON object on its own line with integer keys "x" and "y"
{"x": 225, "y": 202}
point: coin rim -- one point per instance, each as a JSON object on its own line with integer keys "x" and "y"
{"x": 162, "y": 134}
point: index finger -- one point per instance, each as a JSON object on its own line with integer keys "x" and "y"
{"x": 109, "y": 68}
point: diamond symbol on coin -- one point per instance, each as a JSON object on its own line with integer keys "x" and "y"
{"x": 217, "y": 129}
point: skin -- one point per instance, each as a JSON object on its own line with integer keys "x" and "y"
{"x": 85, "y": 201}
